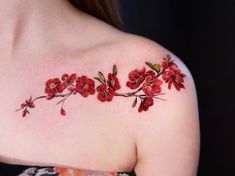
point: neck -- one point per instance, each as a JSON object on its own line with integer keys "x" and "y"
{"x": 31, "y": 24}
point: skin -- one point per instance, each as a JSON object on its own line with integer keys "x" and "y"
{"x": 44, "y": 39}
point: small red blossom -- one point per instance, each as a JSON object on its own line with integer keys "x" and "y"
{"x": 62, "y": 112}
{"x": 166, "y": 64}
{"x": 113, "y": 82}
{"x": 173, "y": 75}
{"x": 136, "y": 77}
{"x": 53, "y": 86}
{"x": 151, "y": 84}
{"x": 85, "y": 86}
{"x": 145, "y": 104}
{"x": 68, "y": 79}
{"x": 28, "y": 103}
{"x": 24, "y": 113}
{"x": 105, "y": 93}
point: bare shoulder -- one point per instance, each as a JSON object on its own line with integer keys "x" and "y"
{"x": 136, "y": 49}
{"x": 167, "y": 129}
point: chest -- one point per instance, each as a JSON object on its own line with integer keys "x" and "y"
{"x": 91, "y": 135}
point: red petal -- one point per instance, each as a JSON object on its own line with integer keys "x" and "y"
{"x": 150, "y": 73}
{"x": 73, "y": 77}
{"x": 101, "y": 97}
{"x": 56, "y": 81}
{"x": 84, "y": 93}
{"x": 148, "y": 78}
{"x": 84, "y": 79}
{"x": 156, "y": 89}
{"x": 173, "y": 64}
{"x": 50, "y": 96}
{"x": 110, "y": 76}
{"x": 62, "y": 112}
{"x": 109, "y": 98}
{"x": 117, "y": 85}
{"x": 101, "y": 87}
{"x": 48, "y": 82}
{"x": 22, "y": 105}
{"x": 145, "y": 108}
{"x": 148, "y": 101}
{"x": 164, "y": 65}
{"x": 140, "y": 109}
{"x": 132, "y": 75}
{"x": 181, "y": 86}
{"x": 23, "y": 113}
{"x": 60, "y": 88}
{"x": 176, "y": 85}
{"x": 111, "y": 91}
{"x": 169, "y": 83}
{"x": 91, "y": 90}
{"x": 158, "y": 81}
{"x": 91, "y": 82}
{"x": 64, "y": 76}
{"x": 31, "y": 105}
{"x": 147, "y": 90}
{"x": 132, "y": 85}
{"x": 79, "y": 87}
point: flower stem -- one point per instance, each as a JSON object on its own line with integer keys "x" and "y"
{"x": 141, "y": 96}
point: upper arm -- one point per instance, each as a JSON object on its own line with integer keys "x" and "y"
{"x": 168, "y": 137}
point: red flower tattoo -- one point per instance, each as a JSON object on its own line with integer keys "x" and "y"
{"x": 28, "y": 104}
{"x": 85, "y": 86}
{"x": 113, "y": 82}
{"x": 152, "y": 84}
{"x": 145, "y": 104}
{"x": 147, "y": 82}
{"x": 53, "y": 86}
{"x": 62, "y": 112}
{"x": 68, "y": 80}
{"x": 136, "y": 77}
{"x": 174, "y": 75}
{"x": 167, "y": 62}
{"x": 105, "y": 93}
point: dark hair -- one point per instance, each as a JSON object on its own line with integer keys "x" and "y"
{"x": 106, "y": 10}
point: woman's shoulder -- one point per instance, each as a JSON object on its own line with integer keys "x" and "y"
{"x": 129, "y": 52}
{"x": 142, "y": 52}
{"x": 168, "y": 127}
{"x": 132, "y": 53}
{"x": 139, "y": 48}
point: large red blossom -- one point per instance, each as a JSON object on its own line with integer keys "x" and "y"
{"x": 105, "y": 93}
{"x": 53, "y": 86}
{"x": 136, "y": 77}
{"x": 145, "y": 104}
{"x": 85, "y": 86}
{"x": 113, "y": 82}
{"x": 173, "y": 75}
{"x": 151, "y": 84}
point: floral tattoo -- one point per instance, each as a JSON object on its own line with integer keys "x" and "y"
{"x": 138, "y": 80}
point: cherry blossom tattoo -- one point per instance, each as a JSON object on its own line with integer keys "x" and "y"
{"x": 148, "y": 82}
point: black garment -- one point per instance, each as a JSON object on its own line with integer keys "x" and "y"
{"x": 23, "y": 170}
